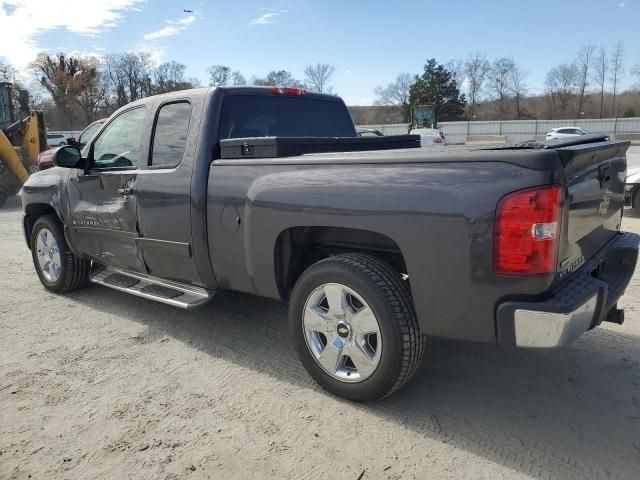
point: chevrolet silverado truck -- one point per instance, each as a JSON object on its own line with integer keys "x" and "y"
{"x": 377, "y": 245}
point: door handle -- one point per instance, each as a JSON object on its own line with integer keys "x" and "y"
{"x": 125, "y": 191}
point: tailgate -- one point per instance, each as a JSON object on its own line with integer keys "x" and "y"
{"x": 595, "y": 178}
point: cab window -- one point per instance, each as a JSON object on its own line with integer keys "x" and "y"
{"x": 170, "y": 134}
{"x": 120, "y": 143}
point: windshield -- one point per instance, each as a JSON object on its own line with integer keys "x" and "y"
{"x": 282, "y": 116}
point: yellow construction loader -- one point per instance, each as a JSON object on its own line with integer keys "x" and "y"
{"x": 21, "y": 141}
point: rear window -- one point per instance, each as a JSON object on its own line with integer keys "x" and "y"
{"x": 282, "y": 116}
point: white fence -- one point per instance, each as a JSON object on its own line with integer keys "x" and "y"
{"x": 520, "y": 130}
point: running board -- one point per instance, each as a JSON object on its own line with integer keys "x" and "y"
{"x": 164, "y": 291}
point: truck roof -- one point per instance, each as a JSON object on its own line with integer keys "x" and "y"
{"x": 234, "y": 90}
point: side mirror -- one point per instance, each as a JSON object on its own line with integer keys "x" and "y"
{"x": 68, "y": 157}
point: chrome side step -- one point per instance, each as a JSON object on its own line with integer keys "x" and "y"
{"x": 164, "y": 291}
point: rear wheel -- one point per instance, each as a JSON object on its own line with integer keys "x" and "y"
{"x": 57, "y": 267}
{"x": 354, "y": 327}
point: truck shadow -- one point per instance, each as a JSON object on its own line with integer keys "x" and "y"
{"x": 570, "y": 413}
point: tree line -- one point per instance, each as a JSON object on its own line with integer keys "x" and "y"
{"x": 76, "y": 90}
{"x": 586, "y": 87}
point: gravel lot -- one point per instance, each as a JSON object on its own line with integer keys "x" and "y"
{"x": 98, "y": 384}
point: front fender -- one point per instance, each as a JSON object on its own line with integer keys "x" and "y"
{"x": 44, "y": 193}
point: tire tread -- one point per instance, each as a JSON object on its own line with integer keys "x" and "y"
{"x": 398, "y": 297}
{"x": 76, "y": 270}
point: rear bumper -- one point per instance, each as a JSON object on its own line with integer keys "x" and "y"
{"x": 575, "y": 306}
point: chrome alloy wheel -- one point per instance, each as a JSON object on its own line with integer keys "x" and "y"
{"x": 48, "y": 254}
{"x": 342, "y": 332}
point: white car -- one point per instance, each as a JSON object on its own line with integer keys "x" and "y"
{"x": 632, "y": 189}
{"x": 564, "y": 132}
{"x": 56, "y": 139}
{"x": 429, "y": 137}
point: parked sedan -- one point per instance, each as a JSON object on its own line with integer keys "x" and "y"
{"x": 56, "y": 139}
{"x": 369, "y": 132}
{"x": 632, "y": 189}
{"x": 564, "y": 132}
{"x": 45, "y": 158}
{"x": 429, "y": 137}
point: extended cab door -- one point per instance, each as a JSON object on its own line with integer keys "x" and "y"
{"x": 164, "y": 192}
{"x": 103, "y": 199}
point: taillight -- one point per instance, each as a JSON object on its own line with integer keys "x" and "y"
{"x": 527, "y": 228}
{"x": 288, "y": 91}
{"x": 438, "y": 140}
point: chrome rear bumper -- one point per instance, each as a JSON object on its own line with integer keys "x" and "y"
{"x": 576, "y": 305}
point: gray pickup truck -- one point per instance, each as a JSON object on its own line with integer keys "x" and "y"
{"x": 376, "y": 243}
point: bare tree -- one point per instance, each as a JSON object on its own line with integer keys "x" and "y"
{"x": 169, "y": 77}
{"x": 617, "y": 71}
{"x": 457, "y": 69}
{"x": 7, "y": 73}
{"x": 277, "y": 78}
{"x": 317, "y": 77}
{"x": 219, "y": 75}
{"x": 128, "y": 76}
{"x": 92, "y": 98}
{"x": 476, "y": 69}
{"x": 600, "y": 74}
{"x": 396, "y": 92}
{"x": 635, "y": 71}
{"x": 560, "y": 84}
{"x": 64, "y": 78}
{"x": 583, "y": 65}
{"x": 237, "y": 78}
{"x": 517, "y": 86}
{"x": 499, "y": 79}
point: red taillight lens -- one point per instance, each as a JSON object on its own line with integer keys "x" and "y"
{"x": 527, "y": 227}
{"x": 288, "y": 91}
{"x": 438, "y": 140}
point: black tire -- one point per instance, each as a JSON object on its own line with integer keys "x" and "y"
{"x": 74, "y": 271}
{"x": 388, "y": 296}
{"x": 5, "y": 183}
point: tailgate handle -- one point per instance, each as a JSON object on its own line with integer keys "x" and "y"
{"x": 604, "y": 175}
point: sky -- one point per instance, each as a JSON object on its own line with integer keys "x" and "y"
{"x": 368, "y": 42}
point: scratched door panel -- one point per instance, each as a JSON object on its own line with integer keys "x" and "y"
{"x": 103, "y": 218}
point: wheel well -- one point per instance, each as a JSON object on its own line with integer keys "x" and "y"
{"x": 299, "y": 247}
{"x": 32, "y": 213}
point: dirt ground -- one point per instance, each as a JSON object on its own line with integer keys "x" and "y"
{"x": 98, "y": 384}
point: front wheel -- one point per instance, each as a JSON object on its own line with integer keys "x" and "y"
{"x": 354, "y": 327}
{"x": 57, "y": 267}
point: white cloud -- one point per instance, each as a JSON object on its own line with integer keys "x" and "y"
{"x": 621, "y": 5}
{"x": 156, "y": 51}
{"x": 174, "y": 27}
{"x": 267, "y": 18}
{"x": 22, "y": 21}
